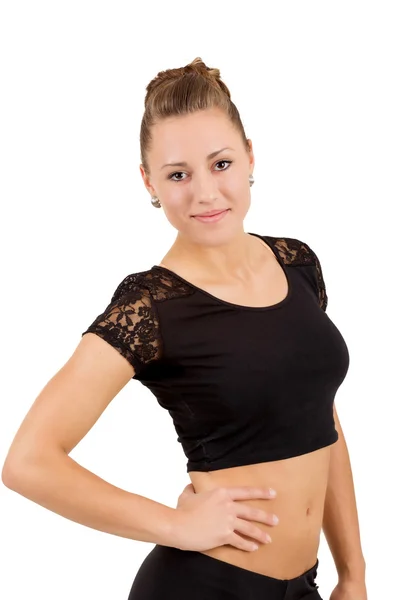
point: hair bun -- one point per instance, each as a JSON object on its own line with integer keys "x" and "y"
{"x": 196, "y": 67}
{"x": 200, "y": 67}
{"x": 210, "y": 73}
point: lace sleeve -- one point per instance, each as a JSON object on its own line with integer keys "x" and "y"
{"x": 297, "y": 253}
{"x": 323, "y": 298}
{"x": 130, "y": 324}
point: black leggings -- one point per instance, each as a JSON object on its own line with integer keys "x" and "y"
{"x": 169, "y": 573}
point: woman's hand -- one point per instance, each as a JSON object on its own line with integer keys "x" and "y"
{"x": 210, "y": 519}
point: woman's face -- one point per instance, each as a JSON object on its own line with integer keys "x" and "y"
{"x": 213, "y": 174}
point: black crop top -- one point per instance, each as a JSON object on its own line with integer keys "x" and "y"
{"x": 243, "y": 385}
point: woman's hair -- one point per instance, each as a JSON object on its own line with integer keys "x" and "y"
{"x": 181, "y": 91}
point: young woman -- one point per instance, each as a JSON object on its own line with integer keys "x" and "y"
{"x": 230, "y": 333}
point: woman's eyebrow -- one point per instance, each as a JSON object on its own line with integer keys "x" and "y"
{"x": 185, "y": 164}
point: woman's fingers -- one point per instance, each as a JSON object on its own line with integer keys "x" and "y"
{"x": 249, "y": 493}
{"x": 252, "y": 531}
{"x": 256, "y": 514}
{"x": 239, "y": 542}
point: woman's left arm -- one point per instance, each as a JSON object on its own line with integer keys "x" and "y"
{"x": 340, "y": 520}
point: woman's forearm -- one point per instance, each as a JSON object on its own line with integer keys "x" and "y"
{"x": 63, "y": 486}
{"x": 340, "y": 522}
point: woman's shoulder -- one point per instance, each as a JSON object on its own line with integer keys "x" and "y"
{"x": 293, "y": 251}
{"x": 156, "y": 283}
{"x": 297, "y": 253}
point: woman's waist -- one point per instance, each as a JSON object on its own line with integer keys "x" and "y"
{"x": 288, "y": 556}
{"x": 300, "y": 481}
{"x": 300, "y": 484}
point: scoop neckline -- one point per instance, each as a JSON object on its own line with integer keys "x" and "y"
{"x": 281, "y": 303}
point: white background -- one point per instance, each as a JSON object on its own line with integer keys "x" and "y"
{"x": 317, "y": 86}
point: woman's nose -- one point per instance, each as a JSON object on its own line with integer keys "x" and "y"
{"x": 205, "y": 186}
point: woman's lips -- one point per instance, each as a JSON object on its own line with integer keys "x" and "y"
{"x": 213, "y": 218}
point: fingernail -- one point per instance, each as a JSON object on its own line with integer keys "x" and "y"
{"x": 255, "y": 547}
{"x": 275, "y": 519}
{"x": 272, "y": 492}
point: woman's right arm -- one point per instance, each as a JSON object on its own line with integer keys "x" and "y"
{"x": 38, "y": 465}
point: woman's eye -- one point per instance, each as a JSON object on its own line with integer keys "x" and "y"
{"x": 227, "y": 162}
{"x": 173, "y": 175}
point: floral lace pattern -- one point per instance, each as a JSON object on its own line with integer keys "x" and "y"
{"x": 294, "y": 252}
{"x": 130, "y": 322}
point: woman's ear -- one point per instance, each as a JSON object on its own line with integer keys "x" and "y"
{"x": 251, "y": 153}
{"x": 146, "y": 181}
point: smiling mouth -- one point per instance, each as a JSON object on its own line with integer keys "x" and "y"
{"x": 211, "y": 213}
{"x": 212, "y": 218}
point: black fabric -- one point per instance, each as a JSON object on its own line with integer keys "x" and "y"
{"x": 242, "y": 384}
{"x": 184, "y": 574}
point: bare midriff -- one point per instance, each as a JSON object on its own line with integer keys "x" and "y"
{"x": 300, "y": 483}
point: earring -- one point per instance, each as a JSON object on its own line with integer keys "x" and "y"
{"x": 155, "y": 202}
{"x": 251, "y": 180}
